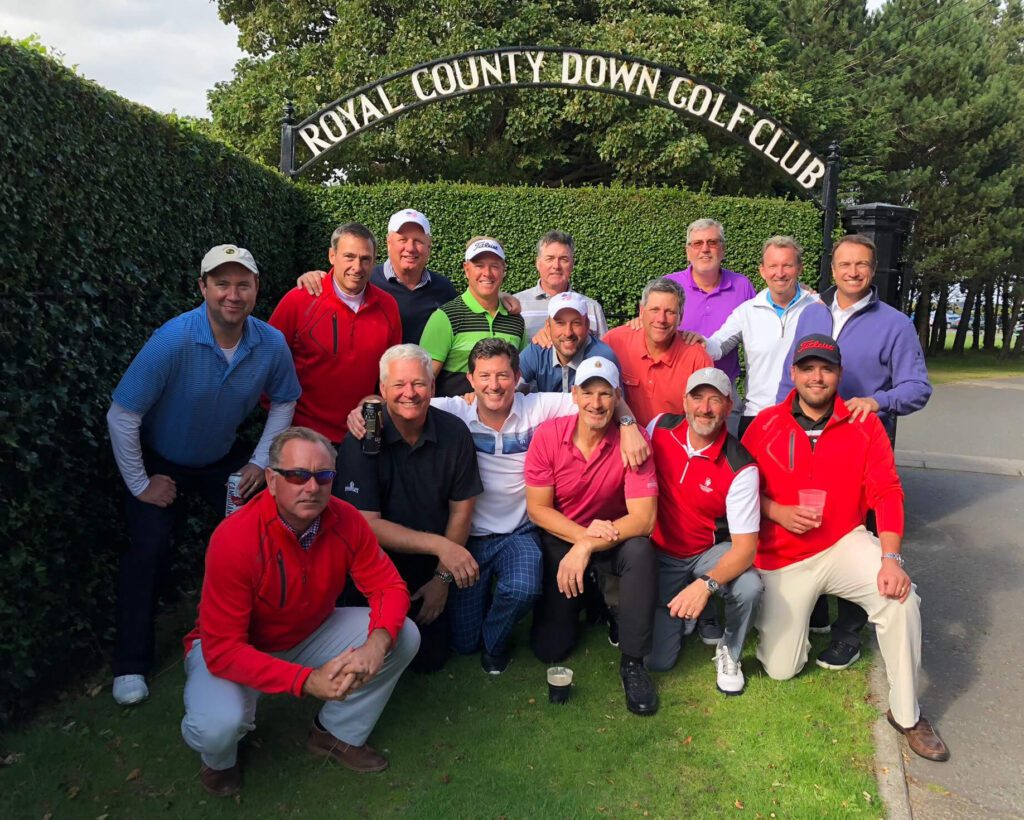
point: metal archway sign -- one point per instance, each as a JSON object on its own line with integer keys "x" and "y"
{"x": 494, "y": 69}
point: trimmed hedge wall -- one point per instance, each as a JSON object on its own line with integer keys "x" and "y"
{"x": 106, "y": 209}
{"x": 624, "y": 237}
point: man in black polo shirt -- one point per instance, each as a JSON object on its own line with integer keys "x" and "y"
{"x": 417, "y": 494}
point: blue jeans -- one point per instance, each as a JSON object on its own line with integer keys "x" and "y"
{"x": 515, "y": 559}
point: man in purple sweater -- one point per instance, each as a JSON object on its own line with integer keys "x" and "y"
{"x": 883, "y": 373}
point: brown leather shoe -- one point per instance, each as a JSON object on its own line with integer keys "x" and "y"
{"x": 922, "y": 739}
{"x": 221, "y": 782}
{"x": 357, "y": 758}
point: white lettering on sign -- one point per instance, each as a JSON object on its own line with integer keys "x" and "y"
{"x": 470, "y": 73}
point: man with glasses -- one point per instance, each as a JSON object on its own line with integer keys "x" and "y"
{"x": 884, "y": 374}
{"x": 268, "y": 623}
{"x": 418, "y": 495}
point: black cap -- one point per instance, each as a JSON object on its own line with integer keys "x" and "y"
{"x": 817, "y": 346}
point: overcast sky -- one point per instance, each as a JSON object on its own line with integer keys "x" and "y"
{"x": 162, "y": 53}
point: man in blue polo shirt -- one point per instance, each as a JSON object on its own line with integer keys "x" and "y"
{"x": 173, "y": 423}
{"x": 553, "y": 370}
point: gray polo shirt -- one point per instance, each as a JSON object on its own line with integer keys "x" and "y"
{"x": 535, "y": 312}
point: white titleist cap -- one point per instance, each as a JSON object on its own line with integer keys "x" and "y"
{"x": 406, "y": 217}
{"x": 222, "y": 254}
{"x": 485, "y": 246}
{"x": 711, "y": 376}
{"x": 597, "y": 367}
{"x": 567, "y": 301}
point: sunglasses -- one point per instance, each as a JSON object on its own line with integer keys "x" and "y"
{"x": 303, "y": 476}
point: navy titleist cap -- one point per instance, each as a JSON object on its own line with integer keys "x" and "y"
{"x": 817, "y": 346}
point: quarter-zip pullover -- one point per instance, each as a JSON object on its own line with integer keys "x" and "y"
{"x": 767, "y": 337}
{"x": 336, "y": 351}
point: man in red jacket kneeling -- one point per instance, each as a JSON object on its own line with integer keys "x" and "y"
{"x": 268, "y": 623}
{"x": 809, "y": 547}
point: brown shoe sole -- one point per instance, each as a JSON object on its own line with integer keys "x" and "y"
{"x": 316, "y": 749}
{"x": 938, "y": 757}
{"x": 221, "y": 790}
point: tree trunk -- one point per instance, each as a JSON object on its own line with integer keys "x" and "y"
{"x": 938, "y": 344}
{"x": 976, "y": 321}
{"x": 1009, "y": 351}
{"x": 924, "y": 303}
{"x": 1004, "y": 311}
{"x": 961, "y": 331}
{"x": 989, "y": 337}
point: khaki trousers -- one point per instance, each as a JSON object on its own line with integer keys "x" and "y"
{"x": 847, "y": 569}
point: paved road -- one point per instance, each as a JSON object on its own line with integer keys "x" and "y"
{"x": 993, "y": 410}
{"x": 965, "y": 547}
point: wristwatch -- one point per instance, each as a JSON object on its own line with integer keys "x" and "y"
{"x": 713, "y": 585}
{"x": 626, "y": 421}
{"x": 445, "y": 576}
{"x": 895, "y": 557}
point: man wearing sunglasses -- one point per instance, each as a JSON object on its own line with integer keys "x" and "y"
{"x": 268, "y": 622}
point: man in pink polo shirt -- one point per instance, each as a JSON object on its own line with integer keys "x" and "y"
{"x": 594, "y": 511}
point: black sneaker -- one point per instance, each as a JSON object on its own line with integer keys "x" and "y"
{"x": 641, "y": 696}
{"x": 839, "y": 655}
{"x": 710, "y": 632}
{"x": 613, "y": 627}
{"x": 494, "y": 664}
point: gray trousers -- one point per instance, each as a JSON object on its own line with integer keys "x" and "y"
{"x": 742, "y": 595}
{"x": 219, "y": 712}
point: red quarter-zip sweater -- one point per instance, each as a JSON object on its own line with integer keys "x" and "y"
{"x": 264, "y": 593}
{"x": 852, "y": 461}
{"x": 336, "y": 352}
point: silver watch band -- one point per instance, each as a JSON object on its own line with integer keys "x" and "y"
{"x": 895, "y": 556}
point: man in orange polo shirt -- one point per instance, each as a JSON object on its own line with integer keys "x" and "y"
{"x": 656, "y": 363}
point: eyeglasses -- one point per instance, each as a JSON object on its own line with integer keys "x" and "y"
{"x": 303, "y": 476}
{"x": 711, "y": 243}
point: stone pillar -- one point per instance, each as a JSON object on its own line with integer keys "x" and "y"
{"x": 889, "y": 227}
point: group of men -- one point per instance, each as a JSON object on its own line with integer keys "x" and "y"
{"x": 531, "y": 461}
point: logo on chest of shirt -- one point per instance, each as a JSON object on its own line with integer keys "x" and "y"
{"x": 706, "y": 486}
{"x": 351, "y": 488}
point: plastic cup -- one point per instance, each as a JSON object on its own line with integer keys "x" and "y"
{"x": 559, "y": 684}
{"x": 814, "y": 500}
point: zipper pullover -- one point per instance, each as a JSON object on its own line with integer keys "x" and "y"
{"x": 767, "y": 338}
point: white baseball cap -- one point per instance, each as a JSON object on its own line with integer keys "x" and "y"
{"x": 485, "y": 246}
{"x": 567, "y": 301}
{"x": 597, "y": 367}
{"x": 222, "y": 254}
{"x": 711, "y": 376}
{"x": 408, "y": 216}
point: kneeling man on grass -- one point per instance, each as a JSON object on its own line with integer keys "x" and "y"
{"x": 810, "y": 442}
{"x": 704, "y": 475}
{"x": 268, "y": 623}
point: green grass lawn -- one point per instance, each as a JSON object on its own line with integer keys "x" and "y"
{"x": 465, "y": 745}
{"x": 973, "y": 364}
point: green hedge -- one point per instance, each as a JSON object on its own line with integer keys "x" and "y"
{"x": 624, "y": 237}
{"x": 106, "y": 209}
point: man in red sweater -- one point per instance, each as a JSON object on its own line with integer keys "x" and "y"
{"x": 268, "y": 623}
{"x": 808, "y": 442}
{"x": 337, "y": 337}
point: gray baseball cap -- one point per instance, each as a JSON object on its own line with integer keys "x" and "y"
{"x": 711, "y": 376}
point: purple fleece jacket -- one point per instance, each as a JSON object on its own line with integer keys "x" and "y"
{"x": 882, "y": 357}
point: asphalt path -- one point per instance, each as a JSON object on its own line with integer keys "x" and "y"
{"x": 965, "y": 551}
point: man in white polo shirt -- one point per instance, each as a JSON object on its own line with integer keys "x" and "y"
{"x": 503, "y": 541}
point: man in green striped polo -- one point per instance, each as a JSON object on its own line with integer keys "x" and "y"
{"x": 477, "y": 314}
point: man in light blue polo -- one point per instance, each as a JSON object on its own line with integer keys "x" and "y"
{"x": 553, "y": 369}
{"x": 173, "y": 424}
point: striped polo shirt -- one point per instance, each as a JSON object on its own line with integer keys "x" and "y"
{"x": 455, "y": 327}
{"x": 190, "y": 398}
